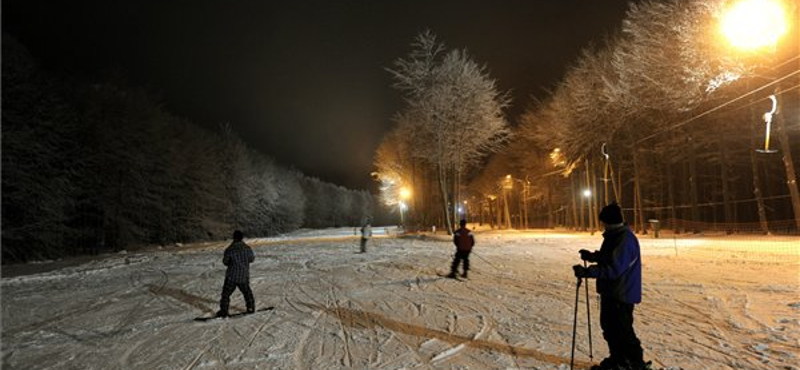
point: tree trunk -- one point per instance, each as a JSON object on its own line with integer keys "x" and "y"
{"x": 726, "y": 196}
{"x": 491, "y": 214}
{"x": 573, "y": 194}
{"x": 443, "y": 190}
{"x": 788, "y": 163}
{"x": 456, "y": 196}
{"x": 762, "y": 212}
{"x": 693, "y": 186}
{"x": 550, "y": 215}
{"x": 506, "y": 210}
{"x": 582, "y": 222}
{"x": 591, "y": 219}
{"x": 671, "y": 194}
{"x": 606, "y": 180}
{"x": 595, "y": 200}
{"x": 499, "y": 214}
{"x": 638, "y": 213}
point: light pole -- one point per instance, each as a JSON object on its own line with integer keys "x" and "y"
{"x": 508, "y": 184}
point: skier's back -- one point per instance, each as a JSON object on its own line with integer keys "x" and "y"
{"x": 464, "y": 241}
{"x": 618, "y": 271}
{"x": 238, "y": 257}
{"x": 366, "y": 233}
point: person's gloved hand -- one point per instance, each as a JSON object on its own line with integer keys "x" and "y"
{"x": 586, "y": 255}
{"x": 580, "y": 271}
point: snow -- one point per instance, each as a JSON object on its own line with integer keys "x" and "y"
{"x": 710, "y": 302}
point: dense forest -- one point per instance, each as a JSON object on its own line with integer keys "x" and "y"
{"x": 664, "y": 117}
{"x": 91, "y": 167}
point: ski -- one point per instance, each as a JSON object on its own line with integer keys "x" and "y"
{"x": 647, "y": 366}
{"x": 233, "y": 316}
{"x": 456, "y": 278}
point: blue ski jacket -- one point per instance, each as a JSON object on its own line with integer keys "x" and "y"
{"x": 619, "y": 266}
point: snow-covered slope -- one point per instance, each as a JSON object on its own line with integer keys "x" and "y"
{"x": 388, "y": 308}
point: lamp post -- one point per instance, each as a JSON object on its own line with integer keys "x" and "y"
{"x": 508, "y": 184}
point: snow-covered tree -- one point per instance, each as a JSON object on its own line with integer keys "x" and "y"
{"x": 454, "y": 112}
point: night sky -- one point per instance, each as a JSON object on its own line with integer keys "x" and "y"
{"x": 304, "y": 81}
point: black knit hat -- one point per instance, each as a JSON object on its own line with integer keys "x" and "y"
{"x": 611, "y": 214}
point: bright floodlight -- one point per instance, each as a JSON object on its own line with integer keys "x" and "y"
{"x": 405, "y": 193}
{"x": 753, "y": 24}
{"x": 587, "y": 193}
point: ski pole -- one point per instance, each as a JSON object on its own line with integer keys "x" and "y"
{"x": 487, "y": 262}
{"x": 588, "y": 315}
{"x": 575, "y": 324}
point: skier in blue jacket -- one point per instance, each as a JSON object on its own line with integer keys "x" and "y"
{"x": 618, "y": 270}
{"x": 238, "y": 257}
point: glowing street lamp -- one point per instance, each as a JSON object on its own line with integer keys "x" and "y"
{"x": 754, "y": 24}
{"x": 405, "y": 193}
{"x": 587, "y": 193}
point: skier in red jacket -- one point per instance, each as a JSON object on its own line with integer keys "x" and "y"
{"x": 464, "y": 240}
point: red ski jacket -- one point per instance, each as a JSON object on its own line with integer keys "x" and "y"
{"x": 463, "y": 239}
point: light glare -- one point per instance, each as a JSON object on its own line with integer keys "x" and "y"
{"x": 753, "y": 24}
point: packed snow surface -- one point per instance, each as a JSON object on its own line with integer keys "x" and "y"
{"x": 708, "y": 303}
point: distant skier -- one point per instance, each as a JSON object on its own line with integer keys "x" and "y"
{"x": 238, "y": 257}
{"x": 618, "y": 271}
{"x": 366, "y": 233}
{"x": 464, "y": 240}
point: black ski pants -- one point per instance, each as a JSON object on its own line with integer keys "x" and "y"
{"x": 227, "y": 290}
{"x": 616, "y": 320}
{"x": 457, "y": 259}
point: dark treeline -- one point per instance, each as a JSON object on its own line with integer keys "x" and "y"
{"x": 96, "y": 167}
